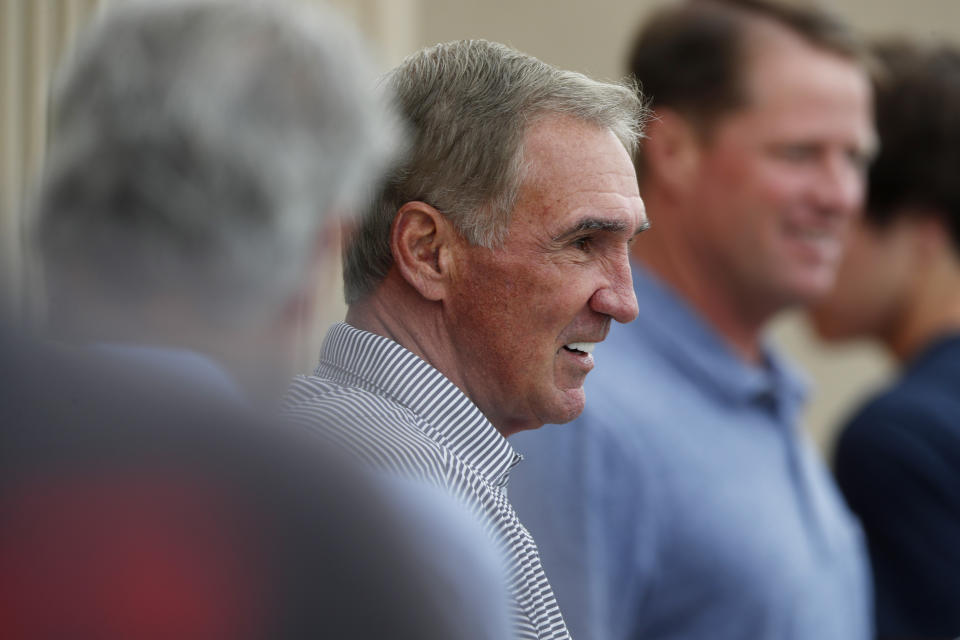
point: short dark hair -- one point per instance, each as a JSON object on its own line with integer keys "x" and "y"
{"x": 689, "y": 57}
{"x": 917, "y": 104}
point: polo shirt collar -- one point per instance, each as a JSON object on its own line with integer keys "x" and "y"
{"x": 393, "y": 371}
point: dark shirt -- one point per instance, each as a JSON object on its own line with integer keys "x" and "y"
{"x": 898, "y": 464}
{"x": 134, "y": 504}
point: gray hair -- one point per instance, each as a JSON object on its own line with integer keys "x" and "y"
{"x": 197, "y": 147}
{"x": 469, "y": 104}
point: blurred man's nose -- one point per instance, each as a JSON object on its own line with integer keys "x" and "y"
{"x": 841, "y": 186}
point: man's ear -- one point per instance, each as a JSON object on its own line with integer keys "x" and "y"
{"x": 320, "y": 281}
{"x": 924, "y": 235}
{"x": 932, "y": 235}
{"x": 421, "y": 242}
{"x": 671, "y": 149}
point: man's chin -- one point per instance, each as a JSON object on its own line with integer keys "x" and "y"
{"x": 569, "y": 407}
{"x": 802, "y": 290}
{"x": 559, "y": 406}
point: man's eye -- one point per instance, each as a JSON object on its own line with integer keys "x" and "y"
{"x": 860, "y": 160}
{"x": 583, "y": 244}
{"x": 797, "y": 152}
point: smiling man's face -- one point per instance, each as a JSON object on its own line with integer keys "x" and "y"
{"x": 524, "y": 318}
{"x": 781, "y": 179}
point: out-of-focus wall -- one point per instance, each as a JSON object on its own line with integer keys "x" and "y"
{"x": 593, "y": 37}
{"x": 33, "y": 36}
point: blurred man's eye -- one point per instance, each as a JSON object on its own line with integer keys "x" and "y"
{"x": 860, "y": 159}
{"x": 796, "y": 152}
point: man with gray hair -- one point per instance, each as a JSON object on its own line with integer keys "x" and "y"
{"x": 479, "y": 282}
{"x": 198, "y": 158}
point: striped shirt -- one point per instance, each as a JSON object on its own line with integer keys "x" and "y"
{"x": 398, "y": 414}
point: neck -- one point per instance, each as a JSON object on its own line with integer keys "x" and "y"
{"x": 396, "y": 312}
{"x": 668, "y": 253}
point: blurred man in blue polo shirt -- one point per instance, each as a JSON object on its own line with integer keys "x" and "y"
{"x": 685, "y": 502}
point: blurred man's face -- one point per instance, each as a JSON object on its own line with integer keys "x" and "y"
{"x": 524, "y": 318}
{"x": 778, "y": 182}
{"x": 873, "y": 284}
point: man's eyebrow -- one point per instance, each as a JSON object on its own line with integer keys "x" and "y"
{"x": 643, "y": 226}
{"x": 598, "y": 224}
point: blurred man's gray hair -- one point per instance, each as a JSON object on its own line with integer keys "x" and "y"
{"x": 469, "y": 104}
{"x": 199, "y": 146}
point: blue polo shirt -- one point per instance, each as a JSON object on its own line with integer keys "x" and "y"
{"x": 685, "y": 502}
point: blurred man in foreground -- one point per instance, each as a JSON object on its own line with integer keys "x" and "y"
{"x": 200, "y": 154}
{"x": 898, "y": 460}
{"x": 479, "y": 282}
{"x": 686, "y": 502}
{"x": 133, "y": 506}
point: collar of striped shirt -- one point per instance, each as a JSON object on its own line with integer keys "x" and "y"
{"x": 355, "y": 357}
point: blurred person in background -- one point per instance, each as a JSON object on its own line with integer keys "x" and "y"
{"x": 479, "y": 282}
{"x": 898, "y": 458}
{"x": 201, "y": 156}
{"x": 686, "y": 502}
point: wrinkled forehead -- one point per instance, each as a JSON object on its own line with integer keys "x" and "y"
{"x": 556, "y": 146}
{"x": 576, "y": 173}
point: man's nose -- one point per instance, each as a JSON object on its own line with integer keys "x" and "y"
{"x": 840, "y": 189}
{"x": 616, "y": 298}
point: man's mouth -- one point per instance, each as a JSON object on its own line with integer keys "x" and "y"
{"x": 825, "y": 244}
{"x": 580, "y": 347}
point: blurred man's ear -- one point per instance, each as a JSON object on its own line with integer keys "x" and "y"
{"x": 421, "y": 241}
{"x": 319, "y": 284}
{"x": 325, "y": 263}
{"x": 924, "y": 237}
{"x": 933, "y": 237}
{"x": 671, "y": 150}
